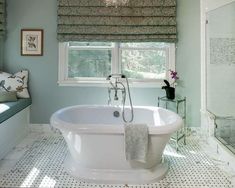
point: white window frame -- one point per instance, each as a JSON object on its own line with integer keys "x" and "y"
{"x": 63, "y": 79}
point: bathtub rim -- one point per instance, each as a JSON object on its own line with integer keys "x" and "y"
{"x": 56, "y": 122}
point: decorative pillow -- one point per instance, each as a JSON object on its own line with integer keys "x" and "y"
{"x": 8, "y": 96}
{"x": 17, "y": 82}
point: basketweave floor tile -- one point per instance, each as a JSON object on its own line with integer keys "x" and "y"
{"x": 41, "y": 165}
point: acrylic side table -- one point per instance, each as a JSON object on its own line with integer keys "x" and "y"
{"x": 178, "y": 102}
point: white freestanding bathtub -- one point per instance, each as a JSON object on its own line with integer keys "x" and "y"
{"x": 95, "y": 138}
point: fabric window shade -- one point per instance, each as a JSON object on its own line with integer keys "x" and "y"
{"x": 2, "y": 17}
{"x": 138, "y": 21}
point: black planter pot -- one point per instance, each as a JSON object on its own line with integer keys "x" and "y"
{"x": 170, "y": 92}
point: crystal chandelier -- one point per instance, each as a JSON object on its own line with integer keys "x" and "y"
{"x": 116, "y": 2}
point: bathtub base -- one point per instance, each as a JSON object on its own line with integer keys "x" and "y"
{"x": 116, "y": 176}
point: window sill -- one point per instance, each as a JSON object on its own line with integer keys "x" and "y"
{"x": 104, "y": 83}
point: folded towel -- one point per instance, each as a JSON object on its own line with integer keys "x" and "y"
{"x": 136, "y": 142}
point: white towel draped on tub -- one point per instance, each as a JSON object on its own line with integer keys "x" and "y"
{"x": 136, "y": 142}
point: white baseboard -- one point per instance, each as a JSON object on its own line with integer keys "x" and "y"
{"x": 43, "y": 129}
{"x": 195, "y": 131}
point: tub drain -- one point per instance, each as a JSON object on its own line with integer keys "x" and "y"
{"x": 116, "y": 114}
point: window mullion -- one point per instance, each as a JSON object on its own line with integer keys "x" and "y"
{"x": 67, "y": 61}
{"x": 115, "y": 58}
{"x": 119, "y": 58}
{"x": 171, "y": 57}
{"x": 63, "y": 61}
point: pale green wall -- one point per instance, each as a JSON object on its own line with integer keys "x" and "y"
{"x": 48, "y": 96}
{"x": 188, "y": 56}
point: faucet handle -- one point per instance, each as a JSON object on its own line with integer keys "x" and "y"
{"x": 108, "y": 77}
{"x": 116, "y": 76}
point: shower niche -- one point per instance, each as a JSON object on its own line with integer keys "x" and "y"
{"x": 220, "y": 72}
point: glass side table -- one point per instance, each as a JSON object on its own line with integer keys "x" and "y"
{"x": 179, "y": 104}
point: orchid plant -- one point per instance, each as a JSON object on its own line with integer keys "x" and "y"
{"x": 174, "y": 77}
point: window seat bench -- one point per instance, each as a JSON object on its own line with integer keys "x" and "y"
{"x": 14, "y": 124}
{"x": 9, "y": 109}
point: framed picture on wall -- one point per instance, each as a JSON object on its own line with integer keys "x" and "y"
{"x": 31, "y": 42}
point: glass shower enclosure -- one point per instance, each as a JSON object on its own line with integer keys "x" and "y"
{"x": 220, "y": 71}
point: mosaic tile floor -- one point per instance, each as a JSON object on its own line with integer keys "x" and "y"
{"x": 38, "y": 162}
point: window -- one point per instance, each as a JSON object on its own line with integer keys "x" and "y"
{"x": 92, "y": 62}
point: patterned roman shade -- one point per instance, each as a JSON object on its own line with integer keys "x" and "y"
{"x": 2, "y": 17}
{"x": 139, "y": 21}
